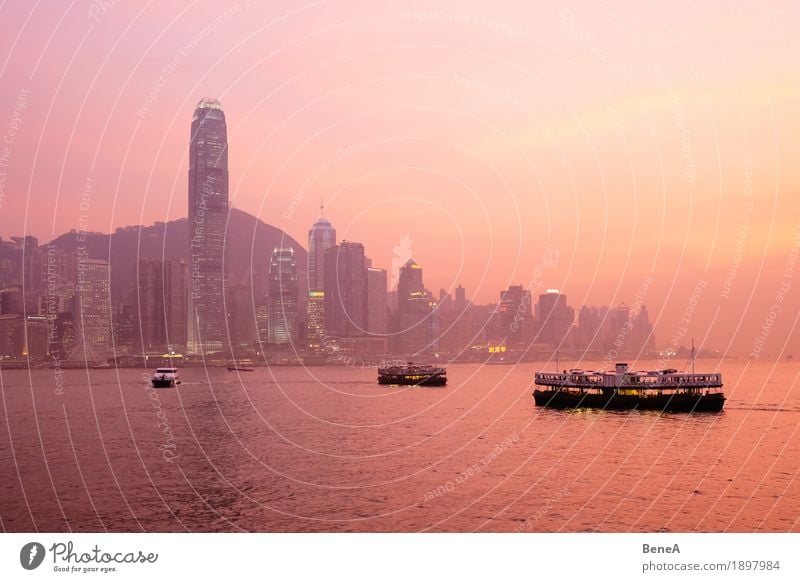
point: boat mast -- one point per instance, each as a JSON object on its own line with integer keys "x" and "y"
{"x": 692, "y": 355}
{"x": 558, "y": 366}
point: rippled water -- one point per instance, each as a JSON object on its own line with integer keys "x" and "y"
{"x": 327, "y": 449}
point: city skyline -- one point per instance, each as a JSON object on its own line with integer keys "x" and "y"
{"x": 485, "y": 155}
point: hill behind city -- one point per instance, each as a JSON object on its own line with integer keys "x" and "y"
{"x": 249, "y": 242}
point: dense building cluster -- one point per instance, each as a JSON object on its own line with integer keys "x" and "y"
{"x": 56, "y": 304}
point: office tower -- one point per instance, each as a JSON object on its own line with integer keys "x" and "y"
{"x": 161, "y": 305}
{"x": 514, "y": 316}
{"x": 644, "y": 339}
{"x": 321, "y": 237}
{"x": 590, "y": 321}
{"x": 315, "y": 311}
{"x": 411, "y": 294}
{"x": 208, "y": 212}
{"x": 150, "y": 304}
{"x": 12, "y": 336}
{"x": 377, "y": 302}
{"x": 461, "y": 298}
{"x": 175, "y": 303}
{"x": 619, "y": 321}
{"x": 283, "y": 289}
{"x": 241, "y": 314}
{"x": 62, "y": 336}
{"x": 11, "y": 302}
{"x": 414, "y": 328}
{"x": 554, "y": 317}
{"x": 37, "y": 344}
{"x": 345, "y": 290}
{"x": 93, "y": 306}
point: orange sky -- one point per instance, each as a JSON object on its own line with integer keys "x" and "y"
{"x": 638, "y": 141}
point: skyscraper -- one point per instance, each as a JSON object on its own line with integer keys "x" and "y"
{"x": 93, "y": 299}
{"x": 514, "y": 317}
{"x": 321, "y": 237}
{"x": 241, "y": 314}
{"x": 208, "y": 212}
{"x": 554, "y": 317}
{"x": 315, "y": 312}
{"x": 345, "y": 290}
{"x": 161, "y": 304}
{"x": 377, "y": 302}
{"x": 175, "y": 303}
{"x": 150, "y": 302}
{"x": 414, "y": 327}
{"x": 283, "y": 289}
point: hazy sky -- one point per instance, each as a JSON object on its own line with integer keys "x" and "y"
{"x": 634, "y": 140}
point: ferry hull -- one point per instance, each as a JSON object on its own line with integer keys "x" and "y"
{"x": 665, "y": 403}
{"x": 400, "y": 380}
{"x": 163, "y": 383}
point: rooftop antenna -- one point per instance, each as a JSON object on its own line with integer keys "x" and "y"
{"x": 321, "y": 205}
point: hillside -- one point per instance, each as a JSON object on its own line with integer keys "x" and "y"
{"x": 249, "y": 244}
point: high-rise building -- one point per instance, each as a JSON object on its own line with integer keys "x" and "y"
{"x": 11, "y": 302}
{"x": 461, "y": 298}
{"x": 93, "y": 303}
{"x": 514, "y": 317}
{"x": 241, "y": 315}
{"x": 456, "y": 324}
{"x": 175, "y": 303}
{"x": 414, "y": 327}
{"x": 208, "y": 213}
{"x": 161, "y": 304}
{"x": 554, "y": 317}
{"x": 411, "y": 294}
{"x": 345, "y": 290}
{"x": 590, "y": 331}
{"x": 283, "y": 289}
{"x": 315, "y": 311}
{"x": 150, "y": 303}
{"x": 643, "y": 338}
{"x": 321, "y": 237}
{"x": 377, "y": 302}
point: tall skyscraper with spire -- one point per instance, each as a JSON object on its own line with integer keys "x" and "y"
{"x": 321, "y": 237}
{"x": 208, "y": 213}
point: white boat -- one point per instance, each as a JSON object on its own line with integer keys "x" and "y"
{"x": 165, "y": 378}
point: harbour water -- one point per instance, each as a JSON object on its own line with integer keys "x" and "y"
{"x": 328, "y": 449}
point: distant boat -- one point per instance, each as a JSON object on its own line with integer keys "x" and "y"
{"x": 412, "y": 375}
{"x": 239, "y": 368}
{"x": 165, "y": 378}
{"x": 663, "y": 390}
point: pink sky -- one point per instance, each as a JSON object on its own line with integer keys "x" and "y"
{"x": 637, "y": 140}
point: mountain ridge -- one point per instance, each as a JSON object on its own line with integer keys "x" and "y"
{"x": 249, "y": 243}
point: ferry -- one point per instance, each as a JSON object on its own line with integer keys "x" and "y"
{"x": 165, "y": 378}
{"x": 240, "y": 366}
{"x": 663, "y": 390}
{"x": 413, "y": 375}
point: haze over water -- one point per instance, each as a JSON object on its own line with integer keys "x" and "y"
{"x": 327, "y": 449}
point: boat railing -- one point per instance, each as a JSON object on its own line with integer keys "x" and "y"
{"x": 555, "y": 379}
{"x": 699, "y": 380}
{"x": 633, "y": 384}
